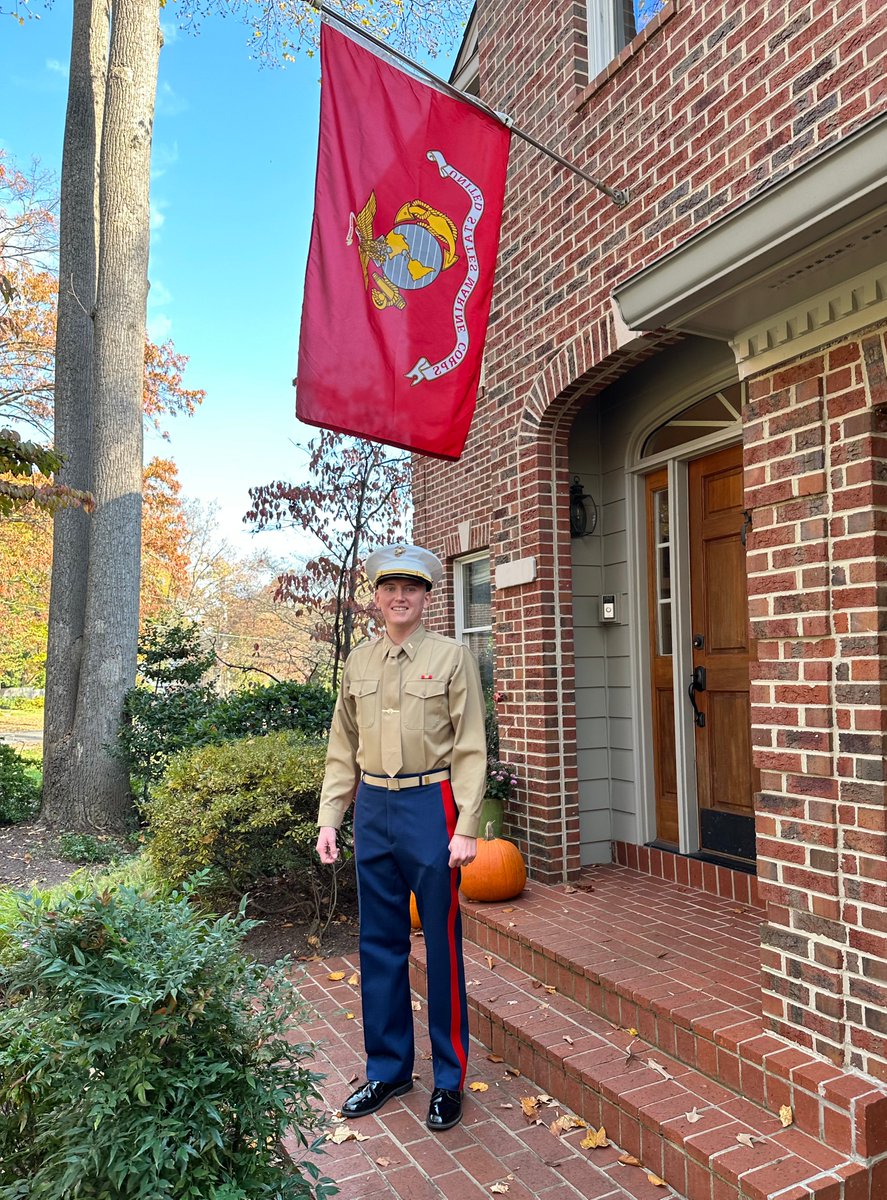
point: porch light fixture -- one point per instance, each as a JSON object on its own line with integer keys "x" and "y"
{"x": 582, "y": 522}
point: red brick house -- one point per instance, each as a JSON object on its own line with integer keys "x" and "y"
{"x": 694, "y": 667}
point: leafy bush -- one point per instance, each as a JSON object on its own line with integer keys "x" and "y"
{"x": 172, "y": 708}
{"x": 135, "y": 872}
{"x": 258, "y": 710}
{"x": 246, "y": 809}
{"x": 19, "y": 789}
{"x": 143, "y": 1055}
{"x": 161, "y": 711}
{"x": 85, "y": 848}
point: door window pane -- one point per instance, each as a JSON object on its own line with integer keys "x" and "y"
{"x": 663, "y": 572}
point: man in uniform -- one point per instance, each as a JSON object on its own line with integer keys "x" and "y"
{"x": 408, "y": 733}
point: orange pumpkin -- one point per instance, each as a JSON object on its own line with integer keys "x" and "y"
{"x": 498, "y": 872}
{"x": 414, "y": 913}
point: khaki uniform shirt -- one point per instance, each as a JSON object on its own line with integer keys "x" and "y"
{"x": 440, "y": 712}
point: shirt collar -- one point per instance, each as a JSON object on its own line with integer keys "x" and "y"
{"x": 409, "y": 647}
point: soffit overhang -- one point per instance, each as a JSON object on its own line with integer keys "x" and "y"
{"x": 824, "y": 223}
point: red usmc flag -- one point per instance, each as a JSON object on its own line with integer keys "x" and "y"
{"x": 407, "y": 210}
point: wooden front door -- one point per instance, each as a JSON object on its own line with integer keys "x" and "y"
{"x": 715, "y": 698}
{"x": 726, "y": 780}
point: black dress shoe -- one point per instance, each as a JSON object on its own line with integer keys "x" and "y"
{"x": 373, "y": 1095}
{"x": 445, "y": 1109}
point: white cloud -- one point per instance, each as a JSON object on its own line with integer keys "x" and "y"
{"x": 169, "y": 103}
{"x": 163, "y": 156}
{"x": 159, "y": 294}
{"x": 158, "y": 216}
{"x": 170, "y": 32}
{"x": 58, "y": 68}
{"x": 159, "y": 326}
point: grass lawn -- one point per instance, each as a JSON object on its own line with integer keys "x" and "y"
{"x": 14, "y": 719}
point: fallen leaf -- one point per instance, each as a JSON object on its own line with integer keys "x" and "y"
{"x": 655, "y": 1066}
{"x": 662, "y": 954}
{"x": 552, "y": 991}
{"x": 693, "y": 1116}
{"x": 594, "y": 1139}
{"x": 566, "y": 1038}
{"x": 511, "y": 924}
{"x": 570, "y": 890}
{"x": 478, "y": 1087}
{"x": 354, "y": 979}
{"x": 384, "y": 1162}
{"x": 471, "y": 982}
{"x": 417, "y": 1005}
{"x": 632, "y": 1032}
{"x": 544, "y": 1098}
{"x": 349, "y": 1016}
{"x": 786, "y": 1115}
{"x": 565, "y": 1123}
{"x": 510, "y": 909}
{"x": 426, "y": 1054}
{"x": 499, "y": 1189}
{"x": 628, "y": 1160}
{"x": 336, "y": 975}
{"x": 512, "y": 1071}
{"x": 344, "y": 1134}
{"x": 313, "y": 940}
{"x": 655, "y": 1180}
{"x": 530, "y": 1105}
{"x": 749, "y": 1139}
{"x": 489, "y": 961}
{"x": 506, "y": 1106}
{"x": 495, "y": 1058}
{"x": 629, "y": 1053}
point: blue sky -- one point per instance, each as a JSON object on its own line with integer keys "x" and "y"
{"x": 232, "y": 193}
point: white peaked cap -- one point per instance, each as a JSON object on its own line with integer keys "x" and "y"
{"x": 403, "y": 561}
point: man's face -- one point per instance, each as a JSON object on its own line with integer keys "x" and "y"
{"x": 401, "y": 602}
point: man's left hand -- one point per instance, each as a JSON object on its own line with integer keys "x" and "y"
{"x": 463, "y": 850}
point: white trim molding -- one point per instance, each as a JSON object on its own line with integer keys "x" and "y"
{"x": 826, "y": 317}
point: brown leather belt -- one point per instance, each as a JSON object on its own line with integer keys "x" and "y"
{"x": 399, "y": 782}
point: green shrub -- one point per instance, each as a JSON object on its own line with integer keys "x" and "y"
{"x": 246, "y": 809}
{"x": 135, "y": 872}
{"x": 19, "y": 789}
{"x": 160, "y": 713}
{"x": 261, "y": 709}
{"x": 172, "y": 708}
{"x": 86, "y": 848}
{"x": 143, "y": 1055}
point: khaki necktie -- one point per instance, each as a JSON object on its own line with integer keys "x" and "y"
{"x": 392, "y": 756}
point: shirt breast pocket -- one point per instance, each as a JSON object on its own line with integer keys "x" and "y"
{"x": 365, "y": 693}
{"x": 425, "y": 704}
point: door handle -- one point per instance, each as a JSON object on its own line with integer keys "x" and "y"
{"x": 697, "y": 684}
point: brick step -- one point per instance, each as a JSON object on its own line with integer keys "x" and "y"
{"x": 682, "y": 967}
{"x": 642, "y": 1096}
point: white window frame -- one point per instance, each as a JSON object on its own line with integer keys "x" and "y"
{"x": 606, "y": 35}
{"x": 459, "y": 565}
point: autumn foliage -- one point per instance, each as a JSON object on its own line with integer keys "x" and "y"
{"x": 355, "y": 497}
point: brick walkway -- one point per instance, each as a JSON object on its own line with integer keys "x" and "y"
{"x": 495, "y": 1146}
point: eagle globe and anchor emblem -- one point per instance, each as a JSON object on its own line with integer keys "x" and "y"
{"x": 421, "y": 244}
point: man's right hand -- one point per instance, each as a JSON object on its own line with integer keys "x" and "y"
{"x": 326, "y": 845}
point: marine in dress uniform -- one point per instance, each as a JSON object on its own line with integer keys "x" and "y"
{"x": 408, "y": 734}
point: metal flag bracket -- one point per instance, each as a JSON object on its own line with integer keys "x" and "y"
{"x": 619, "y": 196}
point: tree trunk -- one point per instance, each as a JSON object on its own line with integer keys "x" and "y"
{"x": 78, "y": 267}
{"x": 94, "y": 790}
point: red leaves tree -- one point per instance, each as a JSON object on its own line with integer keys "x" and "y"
{"x": 355, "y": 498}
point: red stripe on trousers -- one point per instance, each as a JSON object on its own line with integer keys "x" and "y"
{"x": 451, "y": 815}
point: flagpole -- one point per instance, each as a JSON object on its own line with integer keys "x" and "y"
{"x": 619, "y": 196}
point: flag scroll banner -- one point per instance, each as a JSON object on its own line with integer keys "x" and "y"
{"x": 408, "y": 206}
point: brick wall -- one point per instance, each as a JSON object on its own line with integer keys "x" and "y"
{"x": 710, "y": 103}
{"x": 816, "y": 482}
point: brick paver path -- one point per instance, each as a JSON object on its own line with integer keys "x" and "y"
{"x": 495, "y": 1146}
